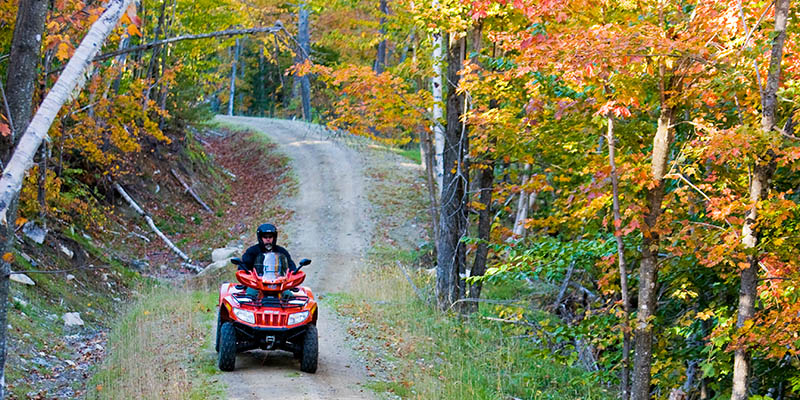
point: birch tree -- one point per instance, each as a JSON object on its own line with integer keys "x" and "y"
{"x": 436, "y": 89}
{"x": 233, "y": 77}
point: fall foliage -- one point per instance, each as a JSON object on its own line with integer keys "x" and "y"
{"x": 683, "y": 88}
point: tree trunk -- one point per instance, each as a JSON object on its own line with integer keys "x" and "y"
{"x": 486, "y": 181}
{"x": 623, "y": 271}
{"x": 436, "y": 109}
{"x": 232, "y": 92}
{"x": 648, "y": 270}
{"x": 425, "y": 140}
{"x": 522, "y": 207}
{"x": 24, "y": 56}
{"x": 25, "y": 53}
{"x": 304, "y": 52}
{"x": 380, "y": 58}
{"x": 35, "y": 132}
{"x": 759, "y": 184}
{"x": 453, "y": 215}
{"x": 154, "y": 56}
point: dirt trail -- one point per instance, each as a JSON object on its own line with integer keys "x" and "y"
{"x": 331, "y": 226}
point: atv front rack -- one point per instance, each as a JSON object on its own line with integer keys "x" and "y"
{"x": 274, "y": 302}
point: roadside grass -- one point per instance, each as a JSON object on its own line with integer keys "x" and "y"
{"x": 411, "y": 154}
{"x": 421, "y": 353}
{"x": 430, "y": 355}
{"x": 161, "y": 349}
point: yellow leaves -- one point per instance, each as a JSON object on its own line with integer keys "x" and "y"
{"x": 477, "y": 206}
{"x": 748, "y": 325}
{"x": 705, "y": 315}
{"x": 8, "y": 258}
{"x": 64, "y": 51}
{"x": 21, "y": 221}
{"x": 684, "y": 292}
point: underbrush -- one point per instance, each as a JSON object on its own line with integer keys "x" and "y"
{"x": 430, "y": 355}
{"x": 422, "y": 353}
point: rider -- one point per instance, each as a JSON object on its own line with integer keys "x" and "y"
{"x": 267, "y": 235}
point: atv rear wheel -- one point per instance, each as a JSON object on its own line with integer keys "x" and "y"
{"x": 227, "y": 347}
{"x": 308, "y": 359}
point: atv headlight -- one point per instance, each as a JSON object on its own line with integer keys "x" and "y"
{"x": 244, "y": 315}
{"x": 297, "y": 318}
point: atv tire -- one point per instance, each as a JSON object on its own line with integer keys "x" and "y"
{"x": 219, "y": 326}
{"x": 227, "y": 347}
{"x": 308, "y": 359}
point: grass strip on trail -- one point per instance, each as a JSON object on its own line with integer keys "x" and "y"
{"x": 161, "y": 349}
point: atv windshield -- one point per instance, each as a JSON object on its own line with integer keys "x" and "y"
{"x": 271, "y": 265}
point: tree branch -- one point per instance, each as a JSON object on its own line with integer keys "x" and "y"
{"x": 191, "y": 192}
{"x": 413, "y": 286}
{"x": 230, "y": 32}
{"x": 175, "y": 249}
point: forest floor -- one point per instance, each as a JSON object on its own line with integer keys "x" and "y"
{"x": 333, "y": 225}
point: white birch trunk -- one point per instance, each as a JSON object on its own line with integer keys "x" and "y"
{"x": 522, "y": 208}
{"x": 22, "y": 159}
{"x": 233, "y": 77}
{"x": 438, "y": 129}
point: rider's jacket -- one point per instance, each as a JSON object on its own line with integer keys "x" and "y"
{"x": 251, "y": 255}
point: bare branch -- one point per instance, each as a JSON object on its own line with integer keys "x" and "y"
{"x": 413, "y": 286}
{"x": 230, "y": 32}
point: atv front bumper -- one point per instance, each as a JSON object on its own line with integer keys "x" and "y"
{"x": 268, "y": 338}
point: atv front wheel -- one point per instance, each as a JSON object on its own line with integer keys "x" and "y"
{"x": 219, "y": 325}
{"x": 227, "y": 347}
{"x": 308, "y": 359}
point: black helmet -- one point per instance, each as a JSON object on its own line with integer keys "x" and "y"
{"x": 265, "y": 230}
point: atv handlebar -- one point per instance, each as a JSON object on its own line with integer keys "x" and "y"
{"x": 251, "y": 279}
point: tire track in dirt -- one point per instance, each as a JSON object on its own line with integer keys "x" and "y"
{"x": 331, "y": 226}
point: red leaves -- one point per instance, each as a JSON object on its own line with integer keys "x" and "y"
{"x": 611, "y": 108}
{"x": 5, "y": 130}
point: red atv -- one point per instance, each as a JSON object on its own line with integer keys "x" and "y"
{"x": 268, "y": 311}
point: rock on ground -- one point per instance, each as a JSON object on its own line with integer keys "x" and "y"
{"x": 73, "y": 319}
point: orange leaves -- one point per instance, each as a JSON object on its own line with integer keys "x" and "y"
{"x": 305, "y": 68}
{"x": 134, "y": 31}
{"x": 381, "y": 107}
